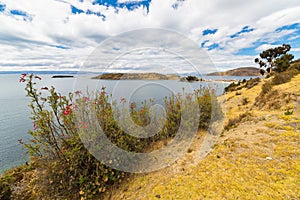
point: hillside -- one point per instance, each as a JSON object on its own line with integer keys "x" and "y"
{"x": 257, "y": 155}
{"x": 137, "y": 76}
{"x": 243, "y": 71}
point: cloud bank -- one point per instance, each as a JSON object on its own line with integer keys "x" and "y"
{"x": 60, "y": 35}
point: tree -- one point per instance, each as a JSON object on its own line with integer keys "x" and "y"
{"x": 275, "y": 59}
{"x": 282, "y": 63}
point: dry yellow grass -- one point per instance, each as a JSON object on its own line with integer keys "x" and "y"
{"x": 259, "y": 159}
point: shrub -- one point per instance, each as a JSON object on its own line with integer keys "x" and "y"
{"x": 69, "y": 167}
{"x": 70, "y": 171}
{"x": 5, "y": 190}
{"x": 252, "y": 82}
{"x": 284, "y": 77}
{"x": 234, "y": 122}
{"x": 242, "y": 84}
{"x": 288, "y": 112}
{"x": 265, "y": 88}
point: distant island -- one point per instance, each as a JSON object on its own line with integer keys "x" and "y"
{"x": 242, "y": 71}
{"x": 137, "y": 76}
{"x": 62, "y": 76}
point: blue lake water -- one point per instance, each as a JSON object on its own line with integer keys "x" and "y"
{"x": 15, "y": 113}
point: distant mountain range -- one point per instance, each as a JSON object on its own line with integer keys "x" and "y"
{"x": 242, "y": 71}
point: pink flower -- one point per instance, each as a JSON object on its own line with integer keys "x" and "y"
{"x": 22, "y": 78}
{"x": 83, "y": 125}
{"x": 73, "y": 106}
{"x": 132, "y": 105}
{"x": 34, "y": 126}
{"x": 78, "y": 93}
{"x": 86, "y": 99}
{"x": 122, "y": 99}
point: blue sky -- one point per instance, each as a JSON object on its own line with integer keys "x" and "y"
{"x": 60, "y": 34}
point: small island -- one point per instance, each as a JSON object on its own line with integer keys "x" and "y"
{"x": 62, "y": 76}
{"x": 137, "y": 76}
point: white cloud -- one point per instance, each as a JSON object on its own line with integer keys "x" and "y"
{"x": 264, "y": 47}
{"x": 30, "y": 44}
{"x": 295, "y": 49}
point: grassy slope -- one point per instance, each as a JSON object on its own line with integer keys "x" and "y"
{"x": 258, "y": 159}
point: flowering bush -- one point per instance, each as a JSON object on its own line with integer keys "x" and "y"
{"x": 70, "y": 170}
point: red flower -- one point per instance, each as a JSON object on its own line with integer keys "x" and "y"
{"x": 38, "y": 77}
{"x": 33, "y": 141}
{"x": 66, "y": 112}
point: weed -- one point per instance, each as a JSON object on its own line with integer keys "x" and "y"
{"x": 288, "y": 112}
{"x": 245, "y": 101}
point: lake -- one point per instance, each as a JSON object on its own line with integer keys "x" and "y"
{"x": 15, "y": 113}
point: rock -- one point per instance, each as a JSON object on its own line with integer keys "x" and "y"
{"x": 190, "y": 79}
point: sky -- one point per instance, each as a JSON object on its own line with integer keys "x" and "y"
{"x": 122, "y": 34}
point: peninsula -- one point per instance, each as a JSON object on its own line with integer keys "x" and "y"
{"x": 137, "y": 76}
{"x": 242, "y": 71}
